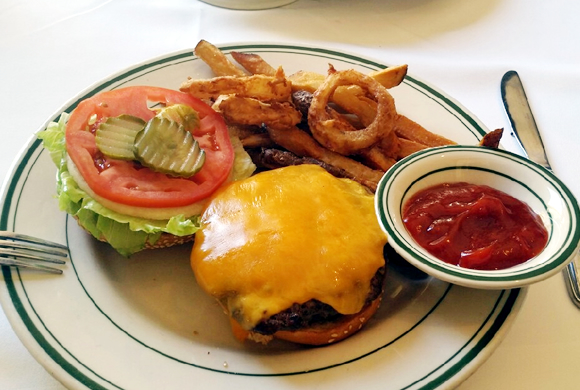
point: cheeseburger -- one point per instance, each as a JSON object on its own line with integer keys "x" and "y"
{"x": 292, "y": 253}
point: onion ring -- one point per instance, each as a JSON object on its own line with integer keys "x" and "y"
{"x": 339, "y": 136}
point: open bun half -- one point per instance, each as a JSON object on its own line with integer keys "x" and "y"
{"x": 318, "y": 335}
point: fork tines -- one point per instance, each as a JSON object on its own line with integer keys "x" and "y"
{"x": 19, "y": 250}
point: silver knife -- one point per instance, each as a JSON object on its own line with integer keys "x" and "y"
{"x": 526, "y": 132}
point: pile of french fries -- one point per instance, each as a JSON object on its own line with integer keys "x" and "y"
{"x": 262, "y": 105}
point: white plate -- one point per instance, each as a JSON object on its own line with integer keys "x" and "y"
{"x": 142, "y": 323}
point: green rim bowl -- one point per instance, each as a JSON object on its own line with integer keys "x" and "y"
{"x": 502, "y": 170}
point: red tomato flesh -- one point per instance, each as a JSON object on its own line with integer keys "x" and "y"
{"x": 129, "y": 183}
{"x": 473, "y": 226}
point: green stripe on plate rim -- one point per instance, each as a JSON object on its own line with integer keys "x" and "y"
{"x": 480, "y": 345}
{"x": 470, "y": 124}
{"x": 573, "y": 234}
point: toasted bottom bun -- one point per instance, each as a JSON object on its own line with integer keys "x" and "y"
{"x": 319, "y": 335}
{"x": 165, "y": 240}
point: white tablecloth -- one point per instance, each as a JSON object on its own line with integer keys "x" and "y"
{"x": 52, "y": 50}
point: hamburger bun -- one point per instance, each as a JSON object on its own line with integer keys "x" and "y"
{"x": 322, "y": 334}
{"x": 165, "y": 240}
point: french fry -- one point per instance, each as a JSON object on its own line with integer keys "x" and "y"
{"x": 408, "y": 129}
{"x": 375, "y": 158}
{"x": 303, "y": 145}
{"x": 216, "y": 60}
{"x": 491, "y": 139}
{"x": 406, "y": 148}
{"x": 250, "y": 111}
{"x": 390, "y": 145}
{"x": 255, "y": 93}
{"x": 253, "y": 63}
{"x": 306, "y": 81}
{"x": 390, "y": 77}
{"x": 267, "y": 88}
{"x": 258, "y": 140}
{"x": 310, "y": 81}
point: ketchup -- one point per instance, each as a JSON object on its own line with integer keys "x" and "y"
{"x": 474, "y": 226}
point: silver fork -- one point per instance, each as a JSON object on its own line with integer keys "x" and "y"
{"x": 22, "y": 251}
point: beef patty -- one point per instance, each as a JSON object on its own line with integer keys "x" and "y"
{"x": 314, "y": 312}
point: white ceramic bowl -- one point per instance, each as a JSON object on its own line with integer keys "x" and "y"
{"x": 499, "y": 169}
{"x": 249, "y": 4}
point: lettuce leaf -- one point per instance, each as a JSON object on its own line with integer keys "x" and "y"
{"x": 243, "y": 165}
{"x": 124, "y": 233}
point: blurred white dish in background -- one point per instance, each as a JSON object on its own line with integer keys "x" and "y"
{"x": 248, "y": 4}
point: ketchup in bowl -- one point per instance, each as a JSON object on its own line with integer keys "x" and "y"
{"x": 474, "y": 226}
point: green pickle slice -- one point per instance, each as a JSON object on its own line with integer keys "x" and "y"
{"x": 165, "y": 146}
{"x": 182, "y": 114}
{"x": 116, "y": 135}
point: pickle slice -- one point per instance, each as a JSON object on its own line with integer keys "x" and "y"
{"x": 165, "y": 146}
{"x": 116, "y": 135}
{"x": 182, "y": 114}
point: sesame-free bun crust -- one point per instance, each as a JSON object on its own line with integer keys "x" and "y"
{"x": 332, "y": 332}
{"x": 316, "y": 336}
{"x": 166, "y": 240}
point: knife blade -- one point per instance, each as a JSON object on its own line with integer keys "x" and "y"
{"x": 527, "y": 133}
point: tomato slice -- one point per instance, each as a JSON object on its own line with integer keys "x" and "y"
{"x": 129, "y": 183}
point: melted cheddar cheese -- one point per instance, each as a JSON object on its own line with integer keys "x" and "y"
{"x": 287, "y": 236}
